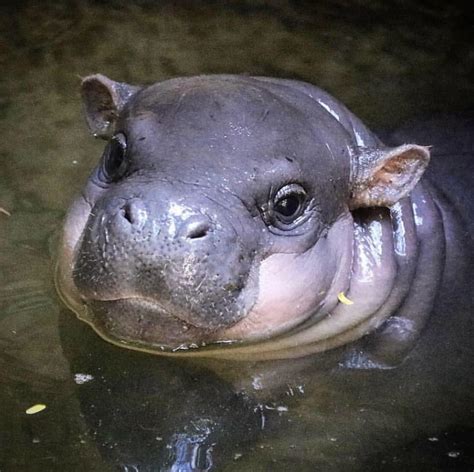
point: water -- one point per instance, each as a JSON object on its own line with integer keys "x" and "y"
{"x": 109, "y": 409}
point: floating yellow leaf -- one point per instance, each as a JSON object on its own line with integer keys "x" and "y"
{"x": 32, "y": 410}
{"x": 343, "y": 299}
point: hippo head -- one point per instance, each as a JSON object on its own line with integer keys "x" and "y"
{"x": 222, "y": 212}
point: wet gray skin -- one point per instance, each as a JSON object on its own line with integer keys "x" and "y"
{"x": 228, "y": 214}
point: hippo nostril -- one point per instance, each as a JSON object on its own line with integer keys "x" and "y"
{"x": 197, "y": 231}
{"x": 196, "y": 228}
{"x": 134, "y": 212}
{"x": 127, "y": 213}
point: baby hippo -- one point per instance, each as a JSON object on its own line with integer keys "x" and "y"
{"x": 250, "y": 218}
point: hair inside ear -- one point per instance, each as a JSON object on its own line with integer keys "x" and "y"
{"x": 103, "y": 101}
{"x": 383, "y": 177}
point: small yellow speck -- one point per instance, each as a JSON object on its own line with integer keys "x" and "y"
{"x": 32, "y": 410}
{"x": 343, "y": 299}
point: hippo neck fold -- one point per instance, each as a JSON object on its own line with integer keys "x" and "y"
{"x": 396, "y": 271}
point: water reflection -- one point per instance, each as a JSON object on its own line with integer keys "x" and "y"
{"x": 152, "y": 413}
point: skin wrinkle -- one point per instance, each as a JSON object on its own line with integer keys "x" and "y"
{"x": 264, "y": 115}
{"x": 236, "y": 233}
{"x": 180, "y": 101}
{"x": 405, "y": 269}
{"x": 86, "y": 200}
{"x": 396, "y": 336}
{"x": 441, "y": 194}
{"x": 207, "y": 187}
{"x": 95, "y": 180}
{"x": 444, "y": 216}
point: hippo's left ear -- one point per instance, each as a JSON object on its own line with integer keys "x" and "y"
{"x": 381, "y": 177}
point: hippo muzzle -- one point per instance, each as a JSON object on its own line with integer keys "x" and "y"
{"x": 237, "y": 210}
{"x": 149, "y": 261}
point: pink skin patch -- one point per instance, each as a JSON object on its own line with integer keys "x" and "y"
{"x": 293, "y": 287}
{"x": 76, "y": 220}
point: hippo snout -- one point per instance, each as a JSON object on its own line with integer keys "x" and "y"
{"x": 185, "y": 257}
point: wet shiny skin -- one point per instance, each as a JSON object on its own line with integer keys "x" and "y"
{"x": 178, "y": 253}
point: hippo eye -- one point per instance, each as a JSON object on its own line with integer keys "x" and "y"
{"x": 289, "y": 203}
{"x": 114, "y": 162}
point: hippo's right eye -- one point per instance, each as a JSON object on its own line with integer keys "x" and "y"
{"x": 114, "y": 161}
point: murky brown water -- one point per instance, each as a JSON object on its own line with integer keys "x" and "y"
{"x": 142, "y": 413}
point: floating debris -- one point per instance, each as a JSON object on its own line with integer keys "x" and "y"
{"x": 257, "y": 383}
{"x": 83, "y": 378}
{"x": 343, "y": 299}
{"x": 181, "y": 347}
{"x": 280, "y": 408}
{"x": 259, "y": 408}
{"x": 292, "y": 390}
{"x": 32, "y": 410}
{"x": 5, "y": 212}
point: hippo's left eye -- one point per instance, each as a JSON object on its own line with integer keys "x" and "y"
{"x": 288, "y": 204}
{"x": 114, "y": 161}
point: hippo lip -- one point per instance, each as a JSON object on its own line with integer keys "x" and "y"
{"x": 142, "y": 322}
{"x": 154, "y": 308}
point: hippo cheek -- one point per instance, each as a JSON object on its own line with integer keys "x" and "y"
{"x": 298, "y": 287}
{"x": 76, "y": 220}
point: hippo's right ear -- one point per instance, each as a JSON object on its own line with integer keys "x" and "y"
{"x": 103, "y": 101}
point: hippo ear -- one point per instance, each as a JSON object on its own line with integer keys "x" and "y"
{"x": 103, "y": 101}
{"x": 382, "y": 177}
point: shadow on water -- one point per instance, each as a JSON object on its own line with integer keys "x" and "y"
{"x": 110, "y": 409}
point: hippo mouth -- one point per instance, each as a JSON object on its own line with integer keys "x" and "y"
{"x": 145, "y": 323}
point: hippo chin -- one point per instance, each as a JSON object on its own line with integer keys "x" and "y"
{"x": 248, "y": 218}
